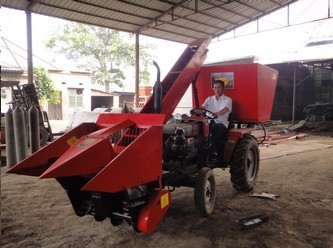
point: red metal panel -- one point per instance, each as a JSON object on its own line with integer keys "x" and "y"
{"x": 111, "y": 128}
{"x": 87, "y": 156}
{"x": 38, "y": 162}
{"x": 141, "y": 120}
{"x": 179, "y": 87}
{"x": 267, "y": 83}
{"x": 233, "y": 137}
{"x": 138, "y": 163}
{"x": 152, "y": 213}
{"x": 253, "y": 92}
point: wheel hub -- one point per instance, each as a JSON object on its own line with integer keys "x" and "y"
{"x": 250, "y": 166}
{"x": 208, "y": 192}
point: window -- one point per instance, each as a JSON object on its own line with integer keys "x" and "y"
{"x": 75, "y": 98}
{"x": 323, "y": 86}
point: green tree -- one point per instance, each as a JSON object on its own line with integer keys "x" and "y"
{"x": 104, "y": 52}
{"x": 45, "y": 87}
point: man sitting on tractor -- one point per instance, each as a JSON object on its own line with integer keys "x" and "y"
{"x": 221, "y": 106}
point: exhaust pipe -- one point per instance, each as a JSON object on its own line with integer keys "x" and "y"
{"x": 157, "y": 91}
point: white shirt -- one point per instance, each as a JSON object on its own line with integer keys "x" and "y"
{"x": 214, "y": 105}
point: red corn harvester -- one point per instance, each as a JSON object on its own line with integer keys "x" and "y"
{"x": 125, "y": 166}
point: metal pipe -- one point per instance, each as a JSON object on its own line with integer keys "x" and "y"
{"x": 157, "y": 90}
{"x": 29, "y": 46}
{"x": 294, "y": 96}
{"x": 328, "y": 8}
{"x": 137, "y": 68}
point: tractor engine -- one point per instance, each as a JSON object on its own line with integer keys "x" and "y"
{"x": 176, "y": 145}
{"x": 181, "y": 145}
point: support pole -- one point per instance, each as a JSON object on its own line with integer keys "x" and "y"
{"x": 294, "y": 95}
{"x": 29, "y": 46}
{"x": 137, "y": 69}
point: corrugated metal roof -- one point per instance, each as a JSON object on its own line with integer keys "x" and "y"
{"x": 176, "y": 20}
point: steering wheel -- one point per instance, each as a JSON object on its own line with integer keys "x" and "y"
{"x": 202, "y": 112}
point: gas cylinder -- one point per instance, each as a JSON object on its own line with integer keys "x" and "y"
{"x": 20, "y": 133}
{"x": 10, "y": 138}
{"x": 34, "y": 132}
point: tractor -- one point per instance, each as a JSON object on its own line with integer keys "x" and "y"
{"x": 125, "y": 166}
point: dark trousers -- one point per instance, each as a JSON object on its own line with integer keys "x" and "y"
{"x": 218, "y": 137}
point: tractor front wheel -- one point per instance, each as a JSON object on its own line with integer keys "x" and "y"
{"x": 204, "y": 192}
{"x": 244, "y": 165}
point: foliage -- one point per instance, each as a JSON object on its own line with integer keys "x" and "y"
{"x": 104, "y": 52}
{"x": 45, "y": 87}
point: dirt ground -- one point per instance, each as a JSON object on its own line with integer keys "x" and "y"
{"x": 37, "y": 213}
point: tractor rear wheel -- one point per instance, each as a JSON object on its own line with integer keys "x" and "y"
{"x": 204, "y": 192}
{"x": 244, "y": 165}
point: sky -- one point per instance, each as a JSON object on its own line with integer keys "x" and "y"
{"x": 278, "y": 45}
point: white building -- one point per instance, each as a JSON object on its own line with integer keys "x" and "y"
{"x": 75, "y": 93}
{"x": 74, "y": 88}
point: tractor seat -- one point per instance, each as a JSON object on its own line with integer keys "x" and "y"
{"x": 189, "y": 129}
